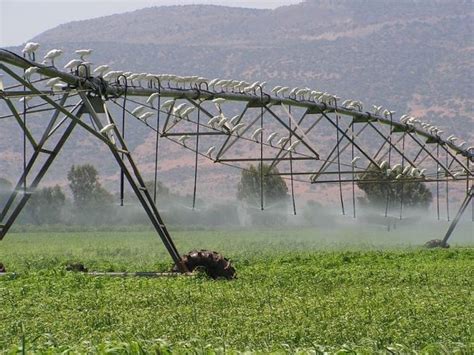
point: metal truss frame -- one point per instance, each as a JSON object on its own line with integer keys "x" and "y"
{"x": 352, "y": 131}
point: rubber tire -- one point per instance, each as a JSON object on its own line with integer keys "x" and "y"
{"x": 435, "y": 243}
{"x": 76, "y": 267}
{"x": 213, "y": 263}
{"x": 2, "y": 268}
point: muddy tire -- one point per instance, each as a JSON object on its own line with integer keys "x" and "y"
{"x": 2, "y": 268}
{"x": 435, "y": 243}
{"x": 76, "y": 267}
{"x": 213, "y": 263}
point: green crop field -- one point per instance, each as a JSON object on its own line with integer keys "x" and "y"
{"x": 296, "y": 291}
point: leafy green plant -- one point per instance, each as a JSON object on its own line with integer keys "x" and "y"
{"x": 292, "y": 295}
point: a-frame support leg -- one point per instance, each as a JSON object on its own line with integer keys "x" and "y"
{"x": 124, "y": 158}
{"x": 456, "y": 219}
{"x": 133, "y": 175}
{"x": 10, "y": 219}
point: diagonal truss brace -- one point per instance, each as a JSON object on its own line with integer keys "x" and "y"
{"x": 133, "y": 175}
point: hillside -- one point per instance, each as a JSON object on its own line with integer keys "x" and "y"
{"x": 411, "y": 56}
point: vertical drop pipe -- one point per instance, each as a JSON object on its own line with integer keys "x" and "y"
{"x": 402, "y": 183}
{"x": 353, "y": 174}
{"x": 339, "y": 166}
{"x": 389, "y": 190}
{"x": 437, "y": 181}
{"x": 196, "y": 156}
{"x": 122, "y": 175}
{"x": 24, "y": 134}
{"x": 261, "y": 154}
{"x": 447, "y": 188}
{"x": 468, "y": 187}
{"x": 291, "y": 167}
{"x": 155, "y": 179}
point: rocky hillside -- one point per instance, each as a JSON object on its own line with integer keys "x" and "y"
{"x": 413, "y": 56}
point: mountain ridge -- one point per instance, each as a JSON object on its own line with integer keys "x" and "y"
{"x": 409, "y": 56}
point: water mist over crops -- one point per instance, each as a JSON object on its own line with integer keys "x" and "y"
{"x": 317, "y": 225}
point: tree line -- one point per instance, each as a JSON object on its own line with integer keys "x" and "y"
{"x": 92, "y": 204}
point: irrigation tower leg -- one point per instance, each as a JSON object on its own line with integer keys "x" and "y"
{"x": 28, "y": 191}
{"x": 124, "y": 158}
{"x": 456, "y": 219}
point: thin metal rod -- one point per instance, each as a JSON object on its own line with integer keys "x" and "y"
{"x": 237, "y": 138}
{"x": 339, "y": 166}
{"x": 325, "y": 173}
{"x": 353, "y": 175}
{"x": 122, "y": 175}
{"x": 294, "y": 133}
{"x": 401, "y": 181}
{"x": 446, "y": 168}
{"x": 196, "y": 157}
{"x": 24, "y": 135}
{"x": 20, "y": 122}
{"x": 387, "y": 202}
{"x": 447, "y": 190}
{"x": 390, "y": 144}
{"x": 261, "y": 160}
{"x": 179, "y": 134}
{"x": 224, "y": 145}
{"x": 349, "y": 138}
{"x": 229, "y": 160}
{"x": 157, "y": 138}
{"x": 292, "y": 183}
{"x": 328, "y": 162}
{"x": 282, "y": 153}
{"x": 138, "y": 274}
{"x": 402, "y": 186}
{"x": 437, "y": 182}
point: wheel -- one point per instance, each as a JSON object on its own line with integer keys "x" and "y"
{"x": 213, "y": 263}
{"x": 436, "y": 243}
{"x": 2, "y": 268}
{"x": 76, "y": 267}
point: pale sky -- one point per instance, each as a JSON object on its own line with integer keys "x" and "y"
{"x": 20, "y": 20}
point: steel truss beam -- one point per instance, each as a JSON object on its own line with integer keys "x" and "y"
{"x": 94, "y": 93}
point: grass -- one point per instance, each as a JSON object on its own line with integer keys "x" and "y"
{"x": 311, "y": 292}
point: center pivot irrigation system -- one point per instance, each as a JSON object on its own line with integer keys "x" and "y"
{"x": 308, "y": 135}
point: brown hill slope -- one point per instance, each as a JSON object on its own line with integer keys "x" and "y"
{"x": 411, "y": 56}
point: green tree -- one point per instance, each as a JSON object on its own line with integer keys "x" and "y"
{"x": 274, "y": 187}
{"x": 86, "y": 188}
{"x": 92, "y": 202}
{"x": 378, "y": 186}
{"x": 45, "y": 206}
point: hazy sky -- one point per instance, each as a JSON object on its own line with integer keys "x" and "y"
{"x": 31, "y": 17}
